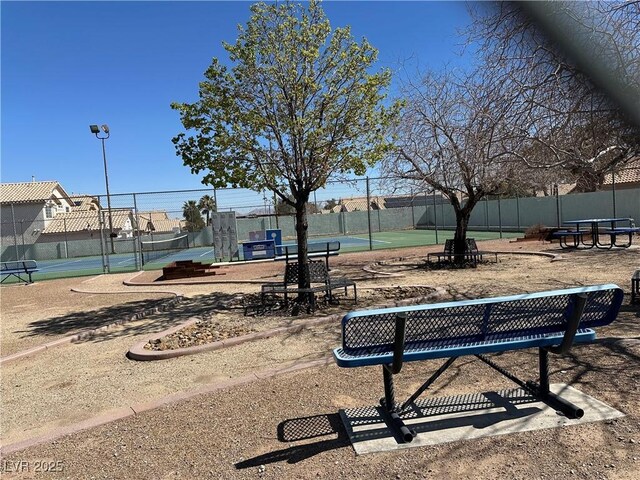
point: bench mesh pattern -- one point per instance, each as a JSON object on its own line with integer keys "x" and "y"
{"x": 470, "y": 324}
{"x": 317, "y": 272}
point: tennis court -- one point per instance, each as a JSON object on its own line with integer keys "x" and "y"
{"x": 161, "y": 255}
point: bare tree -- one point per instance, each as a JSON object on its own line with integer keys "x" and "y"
{"x": 564, "y": 117}
{"x": 452, "y": 137}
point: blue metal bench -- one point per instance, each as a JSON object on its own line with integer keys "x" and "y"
{"x": 552, "y": 321}
{"x": 17, "y": 269}
{"x": 314, "y": 250}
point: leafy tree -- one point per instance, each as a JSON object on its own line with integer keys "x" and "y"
{"x": 207, "y": 205}
{"x": 285, "y": 208}
{"x": 191, "y": 214}
{"x": 297, "y": 106}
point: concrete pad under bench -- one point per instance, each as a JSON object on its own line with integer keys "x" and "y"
{"x": 465, "y": 417}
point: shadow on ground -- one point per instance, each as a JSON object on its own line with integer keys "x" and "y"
{"x": 299, "y": 429}
{"x": 77, "y": 322}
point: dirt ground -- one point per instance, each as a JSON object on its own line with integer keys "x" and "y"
{"x": 238, "y": 432}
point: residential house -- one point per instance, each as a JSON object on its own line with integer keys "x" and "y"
{"x": 626, "y": 176}
{"x": 158, "y": 221}
{"x": 28, "y": 208}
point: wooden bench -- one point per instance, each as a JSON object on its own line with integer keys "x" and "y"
{"x": 562, "y": 235}
{"x": 314, "y": 250}
{"x": 17, "y": 269}
{"x": 635, "y": 287}
{"x": 471, "y": 254}
{"x": 320, "y": 280}
{"x": 551, "y": 321}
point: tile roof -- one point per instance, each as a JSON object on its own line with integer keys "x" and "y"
{"x": 86, "y": 202}
{"x": 27, "y": 192}
{"x": 160, "y": 221}
{"x": 629, "y": 173}
{"x": 79, "y": 220}
{"x": 359, "y": 204}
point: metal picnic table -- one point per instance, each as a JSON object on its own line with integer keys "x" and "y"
{"x": 595, "y": 231}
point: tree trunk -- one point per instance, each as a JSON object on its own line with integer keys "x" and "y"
{"x": 460, "y": 236}
{"x": 302, "y": 227}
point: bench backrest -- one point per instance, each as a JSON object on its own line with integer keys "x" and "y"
{"x": 317, "y": 272}
{"x": 21, "y": 265}
{"x": 316, "y": 247}
{"x": 470, "y": 246}
{"x": 456, "y": 323}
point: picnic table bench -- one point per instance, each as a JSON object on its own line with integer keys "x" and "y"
{"x": 575, "y": 235}
{"x": 621, "y": 231}
{"x": 314, "y": 250}
{"x": 17, "y": 269}
{"x": 471, "y": 252}
{"x": 551, "y": 321}
{"x": 320, "y": 280}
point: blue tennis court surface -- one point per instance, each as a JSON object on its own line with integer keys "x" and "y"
{"x": 348, "y": 243}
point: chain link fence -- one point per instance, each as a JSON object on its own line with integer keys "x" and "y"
{"x": 364, "y": 213}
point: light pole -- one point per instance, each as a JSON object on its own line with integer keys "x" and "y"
{"x": 96, "y": 131}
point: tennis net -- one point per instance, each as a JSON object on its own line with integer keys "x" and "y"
{"x": 154, "y": 250}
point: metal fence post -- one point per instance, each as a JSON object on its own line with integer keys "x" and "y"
{"x": 613, "y": 190}
{"x": 66, "y": 239}
{"x": 518, "y": 211}
{"x": 137, "y": 241}
{"x": 105, "y": 256}
{"x": 486, "y": 212}
{"x": 15, "y": 233}
{"x": 557, "y": 206}
{"x": 435, "y": 216}
{"x": 22, "y": 233}
{"x": 369, "y": 215}
{"x": 499, "y": 215}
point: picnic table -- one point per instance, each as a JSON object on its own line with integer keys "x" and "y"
{"x": 594, "y": 230}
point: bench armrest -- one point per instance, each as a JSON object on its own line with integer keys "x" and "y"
{"x": 398, "y": 344}
{"x": 572, "y": 325}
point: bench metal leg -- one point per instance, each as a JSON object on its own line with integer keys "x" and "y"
{"x": 540, "y": 391}
{"x": 389, "y": 408}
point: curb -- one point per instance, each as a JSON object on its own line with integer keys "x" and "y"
{"x": 130, "y": 411}
{"x": 139, "y": 353}
{"x": 87, "y": 334}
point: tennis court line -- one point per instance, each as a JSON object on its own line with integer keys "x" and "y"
{"x": 56, "y": 265}
{"x": 367, "y": 239}
{"x": 206, "y": 253}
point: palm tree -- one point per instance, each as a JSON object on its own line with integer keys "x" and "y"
{"x": 192, "y": 215}
{"x": 207, "y": 204}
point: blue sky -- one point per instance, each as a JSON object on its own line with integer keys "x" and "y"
{"x": 66, "y": 65}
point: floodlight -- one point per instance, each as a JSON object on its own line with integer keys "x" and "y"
{"x": 105, "y": 128}
{"x": 94, "y": 129}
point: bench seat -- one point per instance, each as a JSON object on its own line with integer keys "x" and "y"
{"x": 618, "y": 231}
{"x": 562, "y": 236}
{"x": 445, "y": 349}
